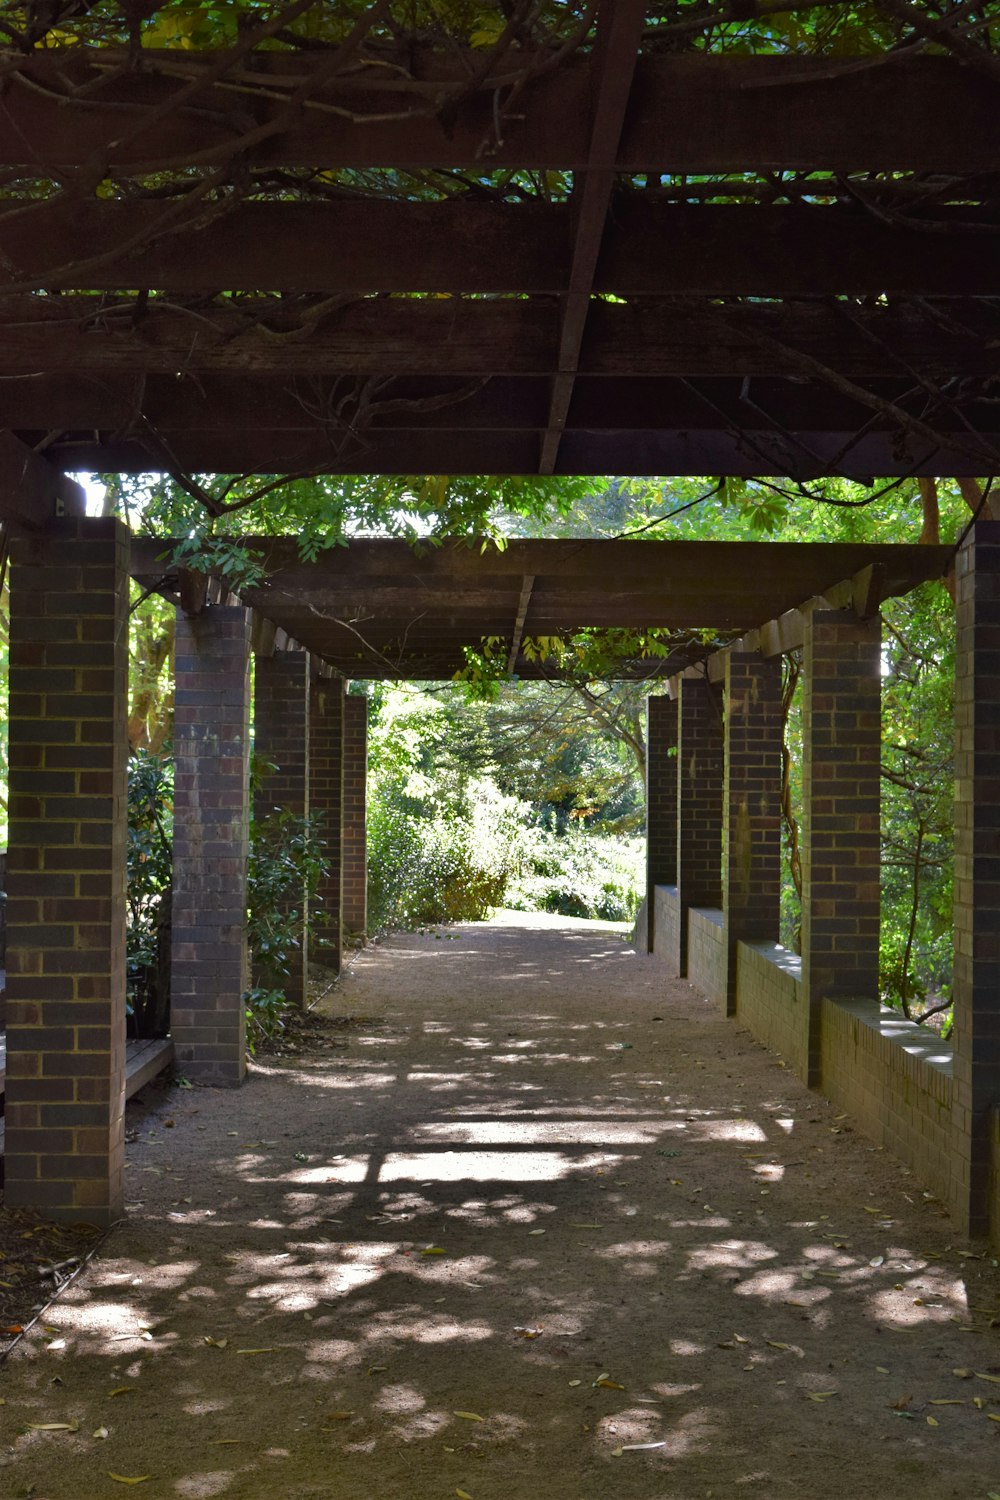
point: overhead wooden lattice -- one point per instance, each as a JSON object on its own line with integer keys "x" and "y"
{"x": 378, "y": 609}
{"x": 610, "y": 246}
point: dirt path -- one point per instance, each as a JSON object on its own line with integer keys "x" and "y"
{"x": 542, "y": 1210}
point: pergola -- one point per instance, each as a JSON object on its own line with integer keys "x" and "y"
{"x": 606, "y": 248}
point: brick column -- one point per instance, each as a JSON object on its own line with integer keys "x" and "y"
{"x": 326, "y": 793}
{"x": 209, "y": 972}
{"x": 699, "y": 802}
{"x": 661, "y": 803}
{"x": 976, "y": 989}
{"x": 841, "y": 748}
{"x": 751, "y": 896}
{"x": 355, "y": 815}
{"x": 281, "y": 737}
{"x": 66, "y": 862}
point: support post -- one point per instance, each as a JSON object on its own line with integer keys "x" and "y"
{"x": 977, "y": 875}
{"x": 65, "y": 1090}
{"x": 841, "y": 751}
{"x": 699, "y": 803}
{"x": 751, "y": 896}
{"x": 326, "y": 792}
{"x": 209, "y": 971}
{"x": 281, "y": 737}
{"x": 661, "y": 803}
{"x": 355, "y": 816}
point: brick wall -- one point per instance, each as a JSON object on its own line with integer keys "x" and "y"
{"x": 699, "y": 801}
{"x": 977, "y": 870}
{"x": 209, "y": 973}
{"x": 894, "y": 1079}
{"x": 751, "y": 808}
{"x": 769, "y": 998}
{"x": 326, "y": 792}
{"x": 841, "y": 738}
{"x": 666, "y": 925}
{"x": 355, "y": 815}
{"x": 281, "y": 737}
{"x": 661, "y": 804}
{"x": 66, "y": 871}
{"x": 707, "y": 951}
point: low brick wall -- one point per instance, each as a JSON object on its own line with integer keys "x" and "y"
{"x": 769, "y": 999}
{"x": 665, "y": 921}
{"x": 706, "y": 950}
{"x": 894, "y": 1078}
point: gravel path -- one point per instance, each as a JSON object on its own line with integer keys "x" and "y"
{"x": 534, "y": 1222}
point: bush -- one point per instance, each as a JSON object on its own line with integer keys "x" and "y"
{"x": 580, "y": 874}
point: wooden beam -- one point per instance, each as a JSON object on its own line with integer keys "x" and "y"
{"x": 469, "y": 246}
{"x": 32, "y": 492}
{"x": 750, "y": 452}
{"x": 522, "y": 612}
{"x": 619, "y": 31}
{"x": 46, "y": 337}
{"x": 690, "y": 114}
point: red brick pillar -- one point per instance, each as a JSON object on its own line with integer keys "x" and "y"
{"x": 355, "y": 815}
{"x": 66, "y": 871}
{"x": 661, "y": 803}
{"x": 751, "y": 887}
{"x": 326, "y": 793}
{"x": 976, "y": 989}
{"x": 281, "y": 738}
{"x": 209, "y": 972}
{"x": 699, "y": 802}
{"x": 841, "y": 750}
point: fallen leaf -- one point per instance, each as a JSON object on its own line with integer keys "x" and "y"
{"x": 586, "y": 1226}
{"x": 433, "y": 1250}
{"x": 980, "y": 1376}
{"x": 338, "y": 1416}
{"x": 772, "y": 1345}
{"x": 992, "y": 1417}
{"x": 617, "y": 1452}
{"x": 642, "y": 1447}
{"x": 933, "y": 1421}
{"x": 575, "y": 1382}
{"x": 215, "y": 1343}
{"x": 877, "y": 1260}
{"x": 469, "y": 1416}
{"x": 979, "y": 1402}
{"x": 822, "y": 1395}
{"x": 901, "y": 1404}
{"x": 945, "y": 1401}
{"x": 99, "y": 1432}
{"x": 54, "y": 1426}
{"x": 269, "y": 1350}
{"x": 963, "y": 1372}
{"x": 377, "y": 1369}
{"x": 739, "y": 1339}
{"x": 882, "y": 1369}
{"x": 119, "y": 1390}
{"x": 225, "y": 1442}
{"x": 528, "y": 1333}
{"x": 463, "y": 1495}
{"x": 124, "y": 1478}
{"x": 536, "y": 1231}
{"x": 608, "y": 1385}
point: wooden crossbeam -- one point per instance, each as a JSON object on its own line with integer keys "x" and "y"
{"x": 522, "y": 614}
{"x": 750, "y": 452}
{"x": 468, "y": 246}
{"x": 619, "y": 29}
{"x": 691, "y": 113}
{"x": 32, "y": 491}
{"x": 76, "y": 336}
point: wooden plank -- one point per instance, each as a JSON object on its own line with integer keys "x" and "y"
{"x": 619, "y": 30}
{"x": 32, "y": 491}
{"x": 522, "y": 610}
{"x": 144, "y": 1060}
{"x": 52, "y": 341}
{"x": 689, "y": 113}
{"x": 649, "y": 249}
{"x": 747, "y": 452}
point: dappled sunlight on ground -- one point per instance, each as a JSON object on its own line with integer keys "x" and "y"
{"x": 575, "y": 1246}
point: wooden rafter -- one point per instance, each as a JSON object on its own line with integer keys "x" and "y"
{"x": 527, "y": 585}
{"x": 619, "y": 30}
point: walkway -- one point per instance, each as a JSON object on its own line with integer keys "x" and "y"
{"x": 538, "y": 1224}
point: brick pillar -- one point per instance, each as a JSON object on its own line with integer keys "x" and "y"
{"x": 281, "y": 737}
{"x": 355, "y": 815}
{"x": 841, "y": 748}
{"x": 326, "y": 793}
{"x": 751, "y": 895}
{"x": 209, "y": 972}
{"x": 699, "y": 802}
{"x": 977, "y": 871}
{"x": 66, "y": 861}
{"x": 661, "y": 803}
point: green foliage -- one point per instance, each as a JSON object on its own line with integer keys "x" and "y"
{"x": 579, "y": 874}
{"x": 149, "y": 874}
